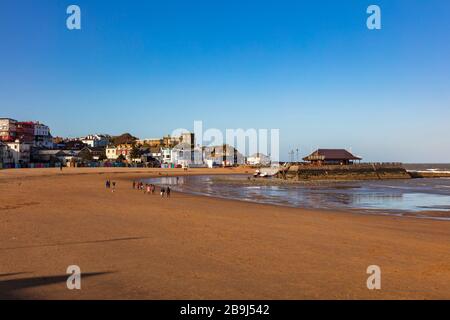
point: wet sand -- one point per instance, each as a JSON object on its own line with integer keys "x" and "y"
{"x": 423, "y": 198}
{"x": 135, "y": 246}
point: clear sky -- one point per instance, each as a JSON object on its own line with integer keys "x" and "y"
{"x": 310, "y": 68}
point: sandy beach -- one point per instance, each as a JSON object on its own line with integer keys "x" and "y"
{"x": 135, "y": 246}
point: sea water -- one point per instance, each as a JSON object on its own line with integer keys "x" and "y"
{"x": 380, "y": 196}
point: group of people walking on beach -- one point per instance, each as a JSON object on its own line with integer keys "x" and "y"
{"x": 110, "y": 185}
{"x": 147, "y": 188}
{"x": 151, "y": 188}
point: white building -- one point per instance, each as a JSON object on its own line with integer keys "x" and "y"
{"x": 166, "y": 155}
{"x": 20, "y": 152}
{"x": 225, "y": 155}
{"x": 41, "y": 129}
{"x": 6, "y": 156}
{"x": 42, "y": 136}
{"x": 95, "y": 140}
{"x": 213, "y": 163}
{"x": 111, "y": 153}
{"x": 185, "y": 155}
{"x": 8, "y": 128}
{"x": 258, "y": 159}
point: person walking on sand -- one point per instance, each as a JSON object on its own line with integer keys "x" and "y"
{"x": 168, "y": 192}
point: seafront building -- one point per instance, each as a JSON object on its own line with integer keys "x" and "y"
{"x": 20, "y": 151}
{"x": 42, "y": 136}
{"x": 185, "y": 155}
{"x": 171, "y": 141}
{"x": 49, "y": 156}
{"x": 19, "y": 139}
{"x": 166, "y": 155}
{"x": 258, "y": 159}
{"x": 92, "y": 153}
{"x": 331, "y": 157}
{"x": 34, "y": 133}
{"x": 56, "y": 157}
{"x": 114, "y": 152}
{"x": 95, "y": 140}
{"x": 8, "y": 129}
{"x": 156, "y": 153}
{"x": 28, "y": 143}
{"x": 173, "y": 150}
{"x": 224, "y": 155}
{"x": 6, "y": 156}
{"x": 25, "y": 132}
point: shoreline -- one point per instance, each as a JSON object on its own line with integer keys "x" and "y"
{"x": 136, "y": 246}
{"x": 440, "y": 215}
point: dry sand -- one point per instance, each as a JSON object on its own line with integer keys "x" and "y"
{"x": 135, "y": 246}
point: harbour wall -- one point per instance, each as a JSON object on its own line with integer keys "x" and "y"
{"x": 429, "y": 174}
{"x": 344, "y": 172}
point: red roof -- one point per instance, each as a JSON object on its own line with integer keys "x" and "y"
{"x": 331, "y": 154}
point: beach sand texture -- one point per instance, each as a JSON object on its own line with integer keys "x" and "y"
{"x": 135, "y": 246}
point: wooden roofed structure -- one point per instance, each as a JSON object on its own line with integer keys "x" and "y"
{"x": 331, "y": 156}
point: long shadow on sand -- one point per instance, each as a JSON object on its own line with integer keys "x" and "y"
{"x": 11, "y": 274}
{"x": 73, "y": 243}
{"x": 11, "y": 289}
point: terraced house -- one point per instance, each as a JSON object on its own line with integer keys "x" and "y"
{"x": 8, "y": 129}
{"x": 6, "y": 156}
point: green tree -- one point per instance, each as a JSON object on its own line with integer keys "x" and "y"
{"x": 134, "y": 153}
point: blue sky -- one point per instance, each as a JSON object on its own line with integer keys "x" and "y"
{"x": 310, "y": 68}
